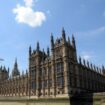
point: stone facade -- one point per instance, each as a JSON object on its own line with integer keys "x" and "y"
{"x": 56, "y": 74}
{"x": 15, "y": 85}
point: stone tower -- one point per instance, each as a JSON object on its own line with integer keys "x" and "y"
{"x": 49, "y": 73}
{"x": 35, "y": 59}
{"x": 15, "y": 71}
{"x": 4, "y": 73}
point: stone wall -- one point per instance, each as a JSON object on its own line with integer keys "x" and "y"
{"x": 94, "y": 99}
{"x": 33, "y": 101}
{"x": 20, "y": 103}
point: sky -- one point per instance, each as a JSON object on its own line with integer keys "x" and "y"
{"x": 24, "y": 22}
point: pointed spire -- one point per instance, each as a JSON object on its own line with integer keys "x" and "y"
{"x": 43, "y": 55}
{"x": 38, "y": 47}
{"x": 1, "y": 68}
{"x": 43, "y": 51}
{"x": 15, "y": 70}
{"x": 91, "y": 66}
{"x": 84, "y": 62}
{"x": 100, "y": 71}
{"x": 63, "y": 34}
{"x": 88, "y": 64}
{"x": 30, "y": 51}
{"x": 8, "y": 72}
{"x": 15, "y": 61}
{"x": 97, "y": 69}
{"x": 8, "y": 69}
{"x": 26, "y": 71}
{"x": 73, "y": 42}
{"x": 4, "y": 68}
{"x": 68, "y": 40}
{"x": 15, "y": 65}
{"x": 22, "y": 72}
{"x": 34, "y": 51}
{"x": 103, "y": 67}
{"x": 80, "y": 60}
{"x": 52, "y": 42}
{"x": 48, "y": 52}
{"x": 94, "y": 67}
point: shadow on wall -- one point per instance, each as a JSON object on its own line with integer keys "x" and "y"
{"x": 81, "y": 99}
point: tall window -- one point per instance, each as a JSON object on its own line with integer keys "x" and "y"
{"x": 44, "y": 72}
{"x": 71, "y": 67}
{"x": 33, "y": 86}
{"x": 50, "y": 71}
{"x": 41, "y": 73}
{"x": 33, "y": 73}
{"x": 60, "y": 81}
{"x": 50, "y": 83}
{"x": 45, "y": 83}
{"x": 40, "y": 85}
{"x": 59, "y": 67}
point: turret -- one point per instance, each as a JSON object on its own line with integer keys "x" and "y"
{"x": 52, "y": 42}
{"x": 48, "y": 52}
{"x": 8, "y": 70}
{"x": 84, "y": 62}
{"x": 26, "y": 71}
{"x": 91, "y": 66}
{"x": 30, "y": 51}
{"x": 37, "y": 47}
{"x": 1, "y": 68}
{"x": 94, "y": 68}
{"x": 63, "y": 35}
{"x": 4, "y": 68}
{"x": 43, "y": 56}
{"x": 15, "y": 71}
{"x": 103, "y": 69}
{"x": 68, "y": 40}
{"x": 80, "y": 60}
{"x": 88, "y": 64}
{"x": 73, "y": 42}
{"x": 22, "y": 73}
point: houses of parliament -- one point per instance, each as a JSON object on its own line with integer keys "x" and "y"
{"x": 54, "y": 73}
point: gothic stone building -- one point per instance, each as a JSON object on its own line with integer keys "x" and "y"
{"x": 55, "y": 74}
{"x": 15, "y": 85}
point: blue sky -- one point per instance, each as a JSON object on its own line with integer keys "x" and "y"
{"x": 24, "y": 22}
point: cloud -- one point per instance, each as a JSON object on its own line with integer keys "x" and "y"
{"x": 94, "y": 32}
{"x": 25, "y": 14}
{"x": 86, "y": 55}
{"x": 28, "y": 3}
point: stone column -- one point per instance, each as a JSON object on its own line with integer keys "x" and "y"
{"x": 65, "y": 61}
{"x": 53, "y": 77}
{"x": 48, "y": 78}
{"x": 37, "y": 80}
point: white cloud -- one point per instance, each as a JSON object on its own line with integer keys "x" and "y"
{"x": 87, "y": 55}
{"x": 28, "y": 3}
{"x": 25, "y": 14}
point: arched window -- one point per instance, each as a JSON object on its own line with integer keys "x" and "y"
{"x": 33, "y": 73}
{"x": 59, "y": 67}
